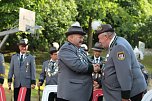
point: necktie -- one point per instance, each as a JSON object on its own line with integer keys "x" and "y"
{"x": 96, "y": 60}
{"x": 21, "y": 58}
{"x": 53, "y": 65}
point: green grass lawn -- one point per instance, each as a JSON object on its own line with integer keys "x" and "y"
{"x": 42, "y": 56}
{"x": 148, "y": 62}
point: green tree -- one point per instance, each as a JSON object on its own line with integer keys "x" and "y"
{"x": 138, "y": 12}
{"x": 126, "y": 16}
{"x": 88, "y": 11}
{"x": 53, "y": 15}
{"x": 145, "y": 32}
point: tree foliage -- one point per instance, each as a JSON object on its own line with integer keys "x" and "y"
{"x": 126, "y": 16}
{"x": 130, "y": 18}
{"x": 54, "y": 15}
{"x": 88, "y": 10}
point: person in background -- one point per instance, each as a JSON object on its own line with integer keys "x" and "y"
{"x": 49, "y": 72}
{"x": 122, "y": 79}
{"x": 75, "y": 81}
{"x": 97, "y": 50}
{"x": 2, "y": 69}
{"x": 140, "y": 56}
{"x": 23, "y": 68}
{"x": 97, "y": 59}
{"x": 85, "y": 48}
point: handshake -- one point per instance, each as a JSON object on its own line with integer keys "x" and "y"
{"x": 96, "y": 68}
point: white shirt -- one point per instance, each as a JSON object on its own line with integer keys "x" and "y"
{"x": 95, "y": 60}
{"x": 21, "y": 55}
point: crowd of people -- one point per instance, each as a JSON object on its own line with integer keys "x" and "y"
{"x": 78, "y": 73}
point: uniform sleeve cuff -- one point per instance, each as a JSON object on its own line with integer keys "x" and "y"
{"x": 125, "y": 94}
{"x": 90, "y": 69}
{"x": 33, "y": 81}
{"x": 1, "y": 80}
{"x": 9, "y": 80}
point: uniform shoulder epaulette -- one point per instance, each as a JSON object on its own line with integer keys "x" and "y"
{"x": 27, "y": 54}
{"x": 91, "y": 57}
{"x": 69, "y": 43}
{"x": 102, "y": 58}
{"x": 14, "y": 54}
{"x": 45, "y": 61}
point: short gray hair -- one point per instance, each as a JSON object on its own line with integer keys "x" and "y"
{"x": 110, "y": 34}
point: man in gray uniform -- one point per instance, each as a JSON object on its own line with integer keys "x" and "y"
{"x": 97, "y": 59}
{"x": 49, "y": 71}
{"x": 122, "y": 77}
{"x": 22, "y": 67}
{"x": 2, "y": 69}
{"x": 75, "y": 69}
{"x": 97, "y": 50}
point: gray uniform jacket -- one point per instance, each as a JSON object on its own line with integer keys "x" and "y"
{"x": 49, "y": 71}
{"x": 24, "y": 72}
{"x": 122, "y": 74}
{"x": 74, "y": 77}
{"x": 2, "y": 68}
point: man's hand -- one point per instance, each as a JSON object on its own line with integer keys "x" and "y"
{"x": 39, "y": 84}
{"x": 96, "y": 67}
{"x": 33, "y": 86}
{"x": 95, "y": 85}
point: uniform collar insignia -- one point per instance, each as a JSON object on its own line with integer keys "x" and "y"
{"x": 113, "y": 41}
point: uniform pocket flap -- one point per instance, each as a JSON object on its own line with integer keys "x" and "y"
{"x": 116, "y": 84}
{"x": 76, "y": 81}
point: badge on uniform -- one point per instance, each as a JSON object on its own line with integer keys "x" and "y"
{"x": 121, "y": 55}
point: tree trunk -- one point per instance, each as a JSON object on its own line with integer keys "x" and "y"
{"x": 90, "y": 34}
